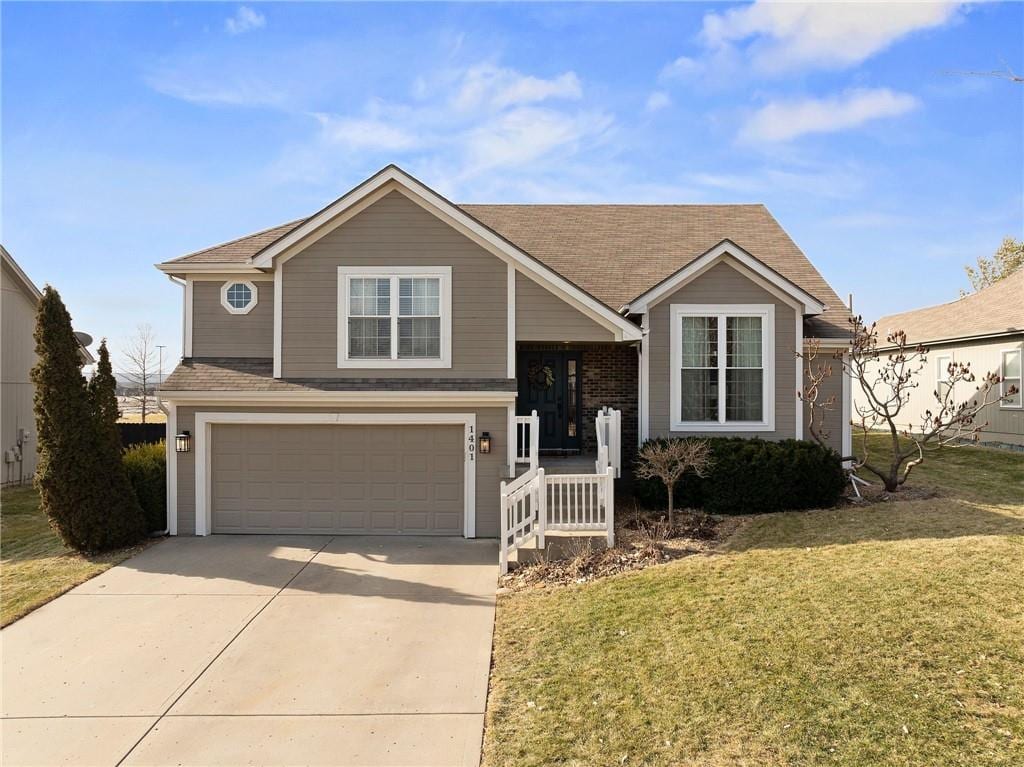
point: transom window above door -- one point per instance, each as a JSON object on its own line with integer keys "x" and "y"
{"x": 397, "y": 317}
{"x": 723, "y": 371}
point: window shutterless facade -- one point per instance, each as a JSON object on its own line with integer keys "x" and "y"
{"x": 723, "y": 367}
{"x": 1010, "y": 371}
{"x": 394, "y": 317}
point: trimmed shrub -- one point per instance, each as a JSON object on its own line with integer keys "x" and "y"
{"x": 751, "y": 476}
{"x": 146, "y": 467}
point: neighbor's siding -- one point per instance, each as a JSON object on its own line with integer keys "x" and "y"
{"x": 543, "y": 316}
{"x": 491, "y": 469}
{"x": 1003, "y": 424}
{"x": 218, "y": 333}
{"x": 17, "y": 359}
{"x": 395, "y": 232}
{"x": 722, "y": 285}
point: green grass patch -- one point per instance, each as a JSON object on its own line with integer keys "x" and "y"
{"x": 871, "y": 636}
{"x": 35, "y": 566}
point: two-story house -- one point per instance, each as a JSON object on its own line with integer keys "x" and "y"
{"x": 362, "y": 370}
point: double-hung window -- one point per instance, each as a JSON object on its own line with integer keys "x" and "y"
{"x": 943, "y": 387}
{"x": 397, "y": 317}
{"x": 1011, "y": 373}
{"x": 722, "y": 373}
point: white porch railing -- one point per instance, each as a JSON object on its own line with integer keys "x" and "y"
{"x": 609, "y": 440}
{"x": 527, "y": 430}
{"x": 537, "y": 502}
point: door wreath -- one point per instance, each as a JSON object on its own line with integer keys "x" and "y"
{"x": 541, "y": 376}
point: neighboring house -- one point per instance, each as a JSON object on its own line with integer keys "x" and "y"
{"x": 18, "y": 303}
{"x": 339, "y": 370}
{"x": 985, "y": 329}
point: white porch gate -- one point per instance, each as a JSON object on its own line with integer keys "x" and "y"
{"x": 537, "y": 502}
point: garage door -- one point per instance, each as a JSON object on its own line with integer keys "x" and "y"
{"x": 389, "y": 479}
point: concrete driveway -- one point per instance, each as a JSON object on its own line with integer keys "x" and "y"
{"x": 283, "y": 650}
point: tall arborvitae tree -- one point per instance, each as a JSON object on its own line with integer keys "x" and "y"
{"x": 72, "y": 491}
{"x": 123, "y": 512}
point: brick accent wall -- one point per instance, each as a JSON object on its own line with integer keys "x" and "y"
{"x": 609, "y": 380}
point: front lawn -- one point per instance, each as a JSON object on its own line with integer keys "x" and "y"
{"x": 884, "y": 635}
{"x": 35, "y": 566}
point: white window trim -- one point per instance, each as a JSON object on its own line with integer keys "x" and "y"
{"x": 203, "y": 439}
{"x": 942, "y": 363}
{"x": 1002, "y": 384}
{"x": 443, "y": 273}
{"x": 245, "y": 309}
{"x": 767, "y": 314}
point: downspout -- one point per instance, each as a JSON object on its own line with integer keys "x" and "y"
{"x": 167, "y": 437}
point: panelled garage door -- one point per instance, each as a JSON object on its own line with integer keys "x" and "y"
{"x": 384, "y": 479}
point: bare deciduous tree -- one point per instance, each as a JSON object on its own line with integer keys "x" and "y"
{"x": 670, "y": 460}
{"x": 887, "y": 378}
{"x": 138, "y": 369}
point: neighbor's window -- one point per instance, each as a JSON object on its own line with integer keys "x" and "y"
{"x": 1010, "y": 371}
{"x": 401, "y": 319}
{"x": 943, "y": 386}
{"x": 238, "y": 297}
{"x": 720, "y": 380}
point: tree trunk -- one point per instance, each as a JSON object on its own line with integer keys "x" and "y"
{"x": 671, "y": 512}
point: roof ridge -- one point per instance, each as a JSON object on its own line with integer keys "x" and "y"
{"x": 998, "y": 284}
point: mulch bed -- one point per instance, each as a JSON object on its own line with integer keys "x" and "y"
{"x": 876, "y": 493}
{"x": 642, "y": 539}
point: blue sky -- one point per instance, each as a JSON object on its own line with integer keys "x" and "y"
{"x": 133, "y": 133}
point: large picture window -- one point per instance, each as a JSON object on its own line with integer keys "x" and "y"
{"x": 399, "y": 317}
{"x": 722, "y": 367}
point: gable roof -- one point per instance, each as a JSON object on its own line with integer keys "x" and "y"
{"x": 35, "y": 295}
{"x": 994, "y": 310}
{"x": 612, "y": 252}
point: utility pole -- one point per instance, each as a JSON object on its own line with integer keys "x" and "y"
{"x": 160, "y": 375}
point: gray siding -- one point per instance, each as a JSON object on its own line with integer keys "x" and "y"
{"x": 832, "y": 422}
{"x": 394, "y": 232}
{"x": 723, "y": 285}
{"x": 491, "y": 469}
{"x": 543, "y": 316}
{"x": 218, "y": 333}
{"x": 1002, "y": 424}
{"x": 16, "y": 390}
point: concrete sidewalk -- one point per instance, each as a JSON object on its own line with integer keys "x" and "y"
{"x": 259, "y": 650}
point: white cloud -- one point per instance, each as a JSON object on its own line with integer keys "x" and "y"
{"x": 658, "y": 101}
{"x": 681, "y": 68}
{"x": 780, "y": 37}
{"x": 245, "y": 20}
{"x": 196, "y": 86}
{"x": 782, "y": 121}
{"x": 527, "y": 134}
{"x": 498, "y": 88}
{"x": 365, "y": 133}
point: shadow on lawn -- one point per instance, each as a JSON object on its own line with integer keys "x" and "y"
{"x": 938, "y": 518}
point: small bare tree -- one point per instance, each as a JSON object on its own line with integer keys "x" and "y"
{"x": 887, "y": 378}
{"x": 669, "y": 460}
{"x": 139, "y": 367}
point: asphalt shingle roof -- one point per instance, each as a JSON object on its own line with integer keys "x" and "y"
{"x": 617, "y": 252}
{"x": 995, "y": 309}
{"x": 257, "y": 375}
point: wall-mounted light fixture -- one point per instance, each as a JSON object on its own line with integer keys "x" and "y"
{"x": 183, "y": 442}
{"x": 485, "y": 442}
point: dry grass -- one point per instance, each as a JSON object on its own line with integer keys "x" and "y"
{"x": 888, "y": 634}
{"x": 35, "y": 566}
{"x": 157, "y": 417}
